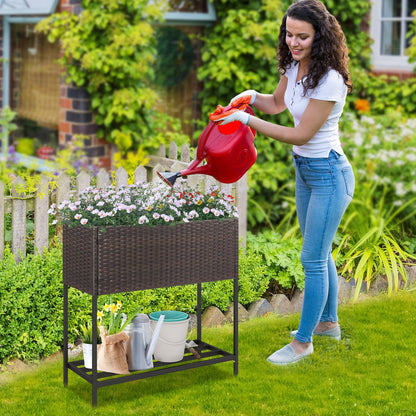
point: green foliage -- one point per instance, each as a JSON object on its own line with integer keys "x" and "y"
{"x": 281, "y": 257}
{"x": 113, "y": 319}
{"x": 109, "y": 48}
{"x": 30, "y": 305}
{"x": 239, "y": 53}
{"x": 382, "y": 150}
{"x": 6, "y": 120}
{"x": 386, "y": 94}
{"x": 379, "y": 225}
{"x": 252, "y": 283}
{"x": 411, "y": 50}
{"x": 372, "y": 244}
{"x": 353, "y": 18}
{"x": 85, "y": 333}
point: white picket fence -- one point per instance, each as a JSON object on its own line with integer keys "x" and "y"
{"x": 20, "y": 204}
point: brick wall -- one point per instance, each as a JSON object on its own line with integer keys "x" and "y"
{"x": 75, "y": 112}
{"x": 401, "y": 75}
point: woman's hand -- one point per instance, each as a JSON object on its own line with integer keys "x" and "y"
{"x": 245, "y": 97}
{"x": 240, "y": 116}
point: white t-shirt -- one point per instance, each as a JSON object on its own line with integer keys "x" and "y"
{"x": 330, "y": 88}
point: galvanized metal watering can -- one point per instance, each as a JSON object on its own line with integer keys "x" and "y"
{"x": 141, "y": 344}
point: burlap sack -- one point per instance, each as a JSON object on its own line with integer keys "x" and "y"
{"x": 111, "y": 355}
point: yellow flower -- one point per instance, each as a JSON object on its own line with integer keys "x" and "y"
{"x": 114, "y": 308}
{"x": 107, "y": 307}
{"x": 100, "y": 315}
{"x": 119, "y": 304}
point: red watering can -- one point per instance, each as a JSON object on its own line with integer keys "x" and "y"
{"x": 228, "y": 150}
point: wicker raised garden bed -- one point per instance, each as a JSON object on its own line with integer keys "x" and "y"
{"x": 118, "y": 259}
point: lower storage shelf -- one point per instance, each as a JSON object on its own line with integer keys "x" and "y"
{"x": 209, "y": 355}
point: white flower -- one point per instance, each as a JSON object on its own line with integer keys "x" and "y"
{"x": 83, "y": 221}
{"x": 400, "y": 191}
{"x": 77, "y": 216}
{"x": 143, "y": 219}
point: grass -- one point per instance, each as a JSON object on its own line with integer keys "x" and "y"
{"x": 372, "y": 371}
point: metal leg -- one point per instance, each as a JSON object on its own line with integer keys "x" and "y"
{"x": 94, "y": 350}
{"x": 199, "y": 312}
{"x": 236, "y": 326}
{"x": 65, "y": 340}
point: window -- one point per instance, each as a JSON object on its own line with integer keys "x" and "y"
{"x": 34, "y": 86}
{"x": 390, "y": 21}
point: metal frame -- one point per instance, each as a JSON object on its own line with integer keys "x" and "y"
{"x": 209, "y": 353}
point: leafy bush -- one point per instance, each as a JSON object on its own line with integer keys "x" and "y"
{"x": 379, "y": 225}
{"x": 281, "y": 257}
{"x": 384, "y": 93}
{"x": 373, "y": 241}
{"x": 30, "y": 305}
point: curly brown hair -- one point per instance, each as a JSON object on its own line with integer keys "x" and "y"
{"x": 329, "y": 48}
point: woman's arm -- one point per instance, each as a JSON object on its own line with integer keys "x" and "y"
{"x": 272, "y": 103}
{"x": 315, "y": 115}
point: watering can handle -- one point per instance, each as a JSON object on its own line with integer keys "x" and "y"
{"x": 155, "y": 336}
{"x": 201, "y": 142}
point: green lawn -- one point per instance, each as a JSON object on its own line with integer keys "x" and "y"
{"x": 372, "y": 371}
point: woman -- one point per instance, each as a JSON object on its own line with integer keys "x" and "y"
{"x": 313, "y": 61}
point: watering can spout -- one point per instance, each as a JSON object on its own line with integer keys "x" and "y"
{"x": 169, "y": 177}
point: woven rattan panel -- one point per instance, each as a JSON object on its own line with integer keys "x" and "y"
{"x": 79, "y": 258}
{"x": 143, "y": 257}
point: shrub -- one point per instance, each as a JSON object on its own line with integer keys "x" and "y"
{"x": 372, "y": 244}
{"x": 30, "y": 305}
{"x": 281, "y": 257}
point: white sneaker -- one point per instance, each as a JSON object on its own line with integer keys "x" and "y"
{"x": 287, "y": 355}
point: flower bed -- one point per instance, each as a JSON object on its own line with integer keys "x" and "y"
{"x": 143, "y": 204}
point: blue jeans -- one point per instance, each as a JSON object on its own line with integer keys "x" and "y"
{"x": 324, "y": 188}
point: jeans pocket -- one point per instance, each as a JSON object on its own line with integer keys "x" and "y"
{"x": 319, "y": 166}
{"x": 349, "y": 180}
